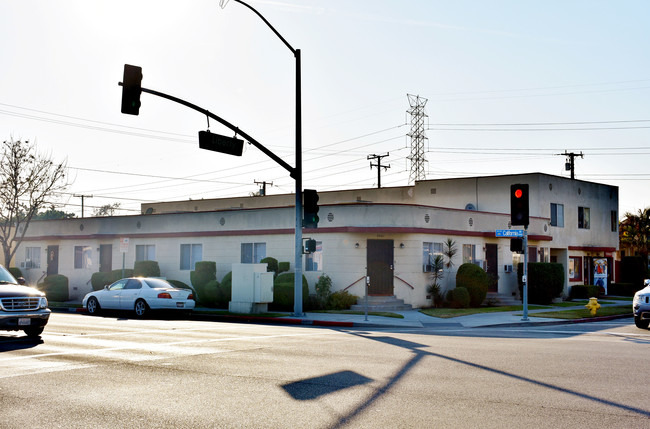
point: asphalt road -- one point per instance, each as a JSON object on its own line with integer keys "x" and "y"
{"x": 112, "y": 372}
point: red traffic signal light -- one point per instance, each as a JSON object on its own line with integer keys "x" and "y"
{"x": 519, "y": 207}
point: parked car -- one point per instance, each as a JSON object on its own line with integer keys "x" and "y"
{"x": 641, "y": 306}
{"x": 22, "y": 308}
{"x": 140, "y": 294}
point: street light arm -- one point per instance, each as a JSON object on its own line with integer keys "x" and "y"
{"x": 269, "y": 25}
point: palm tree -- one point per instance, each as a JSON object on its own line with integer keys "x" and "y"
{"x": 634, "y": 231}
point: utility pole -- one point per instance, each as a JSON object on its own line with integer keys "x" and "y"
{"x": 82, "y": 201}
{"x": 570, "y": 164}
{"x": 263, "y": 189}
{"x": 378, "y": 165}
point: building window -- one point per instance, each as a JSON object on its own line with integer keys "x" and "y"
{"x": 613, "y": 221}
{"x": 252, "y": 253}
{"x": 145, "y": 252}
{"x": 190, "y": 255}
{"x": 575, "y": 268}
{"x": 429, "y": 251}
{"x": 557, "y": 215}
{"x": 583, "y": 218}
{"x": 82, "y": 257}
{"x": 314, "y": 261}
{"x": 32, "y": 257}
{"x": 469, "y": 253}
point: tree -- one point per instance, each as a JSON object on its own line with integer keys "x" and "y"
{"x": 107, "y": 210}
{"x": 634, "y": 231}
{"x": 53, "y": 213}
{"x": 28, "y": 180}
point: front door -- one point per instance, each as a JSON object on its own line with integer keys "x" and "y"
{"x": 105, "y": 258}
{"x": 52, "y": 260}
{"x": 380, "y": 267}
{"x": 491, "y": 256}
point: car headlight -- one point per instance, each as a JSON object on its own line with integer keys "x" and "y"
{"x": 42, "y": 303}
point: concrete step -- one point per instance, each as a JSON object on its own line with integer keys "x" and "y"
{"x": 501, "y": 299}
{"x": 381, "y": 303}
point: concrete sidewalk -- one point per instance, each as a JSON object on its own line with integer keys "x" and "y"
{"x": 410, "y": 319}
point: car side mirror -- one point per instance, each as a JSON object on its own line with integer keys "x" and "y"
{"x": 21, "y": 281}
{"x": 646, "y": 282}
{"x": 106, "y": 287}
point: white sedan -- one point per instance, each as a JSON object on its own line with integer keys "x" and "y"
{"x": 140, "y": 294}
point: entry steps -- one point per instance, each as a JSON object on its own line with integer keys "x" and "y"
{"x": 381, "y": 303}
{"x": 501, "y": 299}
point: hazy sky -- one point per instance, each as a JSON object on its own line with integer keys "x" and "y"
{"x": 510, "y": 85}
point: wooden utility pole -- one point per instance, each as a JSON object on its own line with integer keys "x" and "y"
{"x": 378, "y": 165}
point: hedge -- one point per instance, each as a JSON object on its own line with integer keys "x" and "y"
{"x": 584, "y": 292}
{"x": 55, "y": 288}
{"x": 475, "y": 280}
{"x": 458, "y": 297}
{"x": 545, "y": 281}
{"x": 146, "y": 269}
{"x": 283, "y": 292}
{"x": 204, "y": 273}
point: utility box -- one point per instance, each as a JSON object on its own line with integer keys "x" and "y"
{"x": 252, "y": 288}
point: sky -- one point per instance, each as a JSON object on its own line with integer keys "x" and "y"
{"x": 509, "y": 86}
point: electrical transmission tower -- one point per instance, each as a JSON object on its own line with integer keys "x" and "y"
{"x": 418, "y": 137}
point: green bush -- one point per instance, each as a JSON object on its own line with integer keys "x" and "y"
{"x": 475, "y": 280}
{"x": 204, "y": 273}
{"x": 146, "y": 269}
{"x": 283, "y": 267}
{"x": 271, "y": 265}
{"x": 584, "y": 291}
{"x": 545, "y": 281}
{"x": 55, "y": 288}
{"x": 323, "y": 290}
{"x": 621, "y": 289}
{"x": 117, "y": 274}
{"x": 634, "y": 270}
{"x": 15, "y": 271}
{"x": 341, "y": 300}
{"x": 458, "y": 297}
{"x": 283, "y": 292}
{"x": 100, "y": 279}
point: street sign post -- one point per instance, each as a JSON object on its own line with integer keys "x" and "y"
{"x": 510, "y": 233}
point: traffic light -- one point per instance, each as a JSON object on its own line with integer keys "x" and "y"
{"x": 310, "y": 208}
{"x": 131, "y": 89}
{"x": 517, "y": 245}
{"x": 519, "y": 204}
{"x": 310, "y": 246}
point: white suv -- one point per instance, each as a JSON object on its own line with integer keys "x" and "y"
{"x": 641, "y": 306}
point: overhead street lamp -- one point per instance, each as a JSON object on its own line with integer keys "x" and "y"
{"x": 297, "y": 172}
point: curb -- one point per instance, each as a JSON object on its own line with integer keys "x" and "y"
{"x": 558, "y": 322}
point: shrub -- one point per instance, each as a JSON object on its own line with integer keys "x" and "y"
{"x": 323, "y": 290}
{"x": 146, "y": 269}
{"x": 15, "y": 271}
{"x": 634, "y": 270}
{"x": 283, "y": 292}
{"x": 621, "y": 289}
{"x": 584, "y": 291}
{"x": 180, "y": 285}
{"x": 341, "y": 300}
{"x": 475, "y": 280}
{"x": 545, "y": 281}
{"x": 283, "y": 267}
{"x": 271, "y": 265}
{"x": 222, "y": 291}
{"x": 100, "y": 279}
{"x": 55, "y": 287}
{"x": 204, "y": 273}
{"x": 458, "y": 297}
{"x": 117, "y": 274}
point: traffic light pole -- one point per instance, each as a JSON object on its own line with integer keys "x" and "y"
{"x": 525, "y": 275}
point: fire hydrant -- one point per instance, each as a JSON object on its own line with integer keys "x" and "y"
{"x": 593, "y": 305}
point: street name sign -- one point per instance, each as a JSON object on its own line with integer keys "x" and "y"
{"x": 510, "y": 233}
{"x": 219, "y": 143}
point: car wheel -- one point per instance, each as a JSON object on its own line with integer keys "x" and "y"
{"x": 141, "y": 308}
{"x": 34, "y": 332}
{"x": 92, "y": 305}
{"x": 641, "y": 324}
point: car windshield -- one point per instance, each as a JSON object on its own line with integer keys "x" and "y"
{"x": 6, "y": 277}
{"x": 157, "y": 284}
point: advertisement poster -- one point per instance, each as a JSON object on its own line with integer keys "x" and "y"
{"x": 600, "y": 273}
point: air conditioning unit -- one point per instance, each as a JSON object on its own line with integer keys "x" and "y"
{"x": 507, "y": 268}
